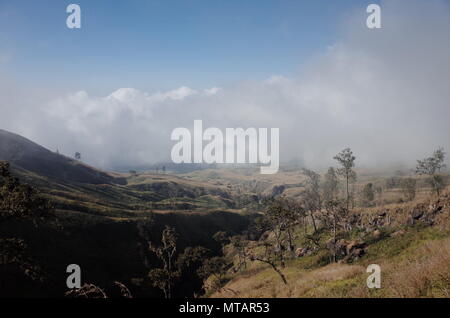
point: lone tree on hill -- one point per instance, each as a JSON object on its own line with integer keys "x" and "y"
{"x": 432, "y": 166}
{"x": 347, "y": 162}
{"x": 270, "y": 257}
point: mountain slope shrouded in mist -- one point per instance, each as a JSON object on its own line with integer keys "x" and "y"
{"x": 25, "y": 154}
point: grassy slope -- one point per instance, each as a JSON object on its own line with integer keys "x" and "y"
{"x": 143, "y": 194}
{"x": 415, "y": 264}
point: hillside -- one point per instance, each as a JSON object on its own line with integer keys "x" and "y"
{"x": 409, "y": 241}
{"x": 76, "y": 187}
{"x": 25, "y": 154}
{"x": 105, "y": 221}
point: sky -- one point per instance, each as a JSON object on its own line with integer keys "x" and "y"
{"x": 116, "y": 88}
{"x": 152, "y": 45}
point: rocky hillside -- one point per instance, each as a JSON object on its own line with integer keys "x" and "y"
{"x": 410, "y": 242}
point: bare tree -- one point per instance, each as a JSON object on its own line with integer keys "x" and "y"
{"x": 213, "y": 271}
{"x": 297, "y": 215}
{"x": 332, "y": 219}
{"x": 163, "y": 278}
{"x": 330, "y": 185}
{"x": 86, "y": 291}
{"x": 124, "y": 291}
{"x": 311, "y": 196}
{"x": 432, "y": 166}
{"x": 222, "y": 238}
{"x": 240, "y": 245}
{"x": 347, "y": 162}
{"x": 270, "y": 256}
{"x": 379, "y": 193}
{"x": 368, "y": 194}
{"x": 280, "y": 219}
{"x": 409, "y": 188}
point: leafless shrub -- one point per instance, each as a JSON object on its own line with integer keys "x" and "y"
{"x": 124, "y": 291}
{"x": 86, "y": 291}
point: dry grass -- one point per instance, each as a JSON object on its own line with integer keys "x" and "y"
{"x": 416, "y": 264}
{"x": 266, "y": 283}
{"x": 426, "y": 273}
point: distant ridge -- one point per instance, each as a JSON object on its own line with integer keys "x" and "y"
{"x": 25, "y": 154}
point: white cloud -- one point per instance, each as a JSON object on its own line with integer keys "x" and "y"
{"x": 212, "y": 91}
{"x": 179, "y": 93}
{"x": 125, "y": 95}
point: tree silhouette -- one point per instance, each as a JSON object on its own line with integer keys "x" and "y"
{"x": 163, "y": 278}
{"x": 19, "y": 201}
{"x": 347, "y": 162}
{"x": 432, "y": 166}
{"x": 330, "y": 185}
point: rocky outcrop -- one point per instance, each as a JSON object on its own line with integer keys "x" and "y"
{"x": 382, "y": 219}
{"x": 427, "y": 213}
{"x": 304, "y": 251}
{"x": 346, "y": 251}
{"x": 278, "y": 190}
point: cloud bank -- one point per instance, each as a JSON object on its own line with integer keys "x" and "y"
{"x": 384, "y": 93}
